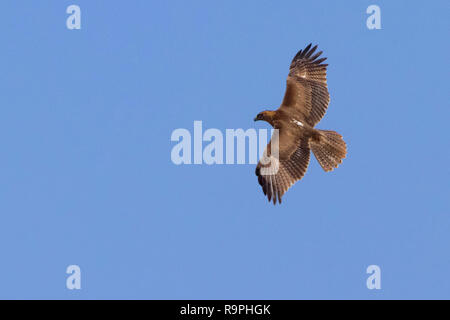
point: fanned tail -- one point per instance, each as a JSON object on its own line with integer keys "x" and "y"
{"x": 329, "y": 149}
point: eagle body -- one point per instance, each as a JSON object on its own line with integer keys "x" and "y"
{"x": 286, "y": 159}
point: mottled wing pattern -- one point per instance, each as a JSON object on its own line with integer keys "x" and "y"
{"x": 277, "y": 175}
{"x": 306, "y": 94}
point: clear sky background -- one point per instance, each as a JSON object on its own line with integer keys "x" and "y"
{"x": 86, "y": 176}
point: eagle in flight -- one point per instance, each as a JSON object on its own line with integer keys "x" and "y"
{"x": 305, "y": 102}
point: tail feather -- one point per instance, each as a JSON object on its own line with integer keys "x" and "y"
{"x": 329, "y": 149}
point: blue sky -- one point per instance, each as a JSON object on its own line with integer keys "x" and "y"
{"x": 86, "y": 176}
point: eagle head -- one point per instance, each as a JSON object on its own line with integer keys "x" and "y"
{"x": 265, "y": 115}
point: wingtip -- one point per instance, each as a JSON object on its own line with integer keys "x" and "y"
{"x": 307, "y": 48}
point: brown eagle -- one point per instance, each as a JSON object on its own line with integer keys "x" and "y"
{"x": 305, "y": 103}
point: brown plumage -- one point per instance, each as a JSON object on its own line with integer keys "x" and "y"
{"x": 305, "y": 103}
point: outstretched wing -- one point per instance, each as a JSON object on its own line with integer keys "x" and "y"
{"x": 277, "y": 174}
{"x": 306, "y": 94}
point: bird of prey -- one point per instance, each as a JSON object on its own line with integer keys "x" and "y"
{"x": 305, "y": 103}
